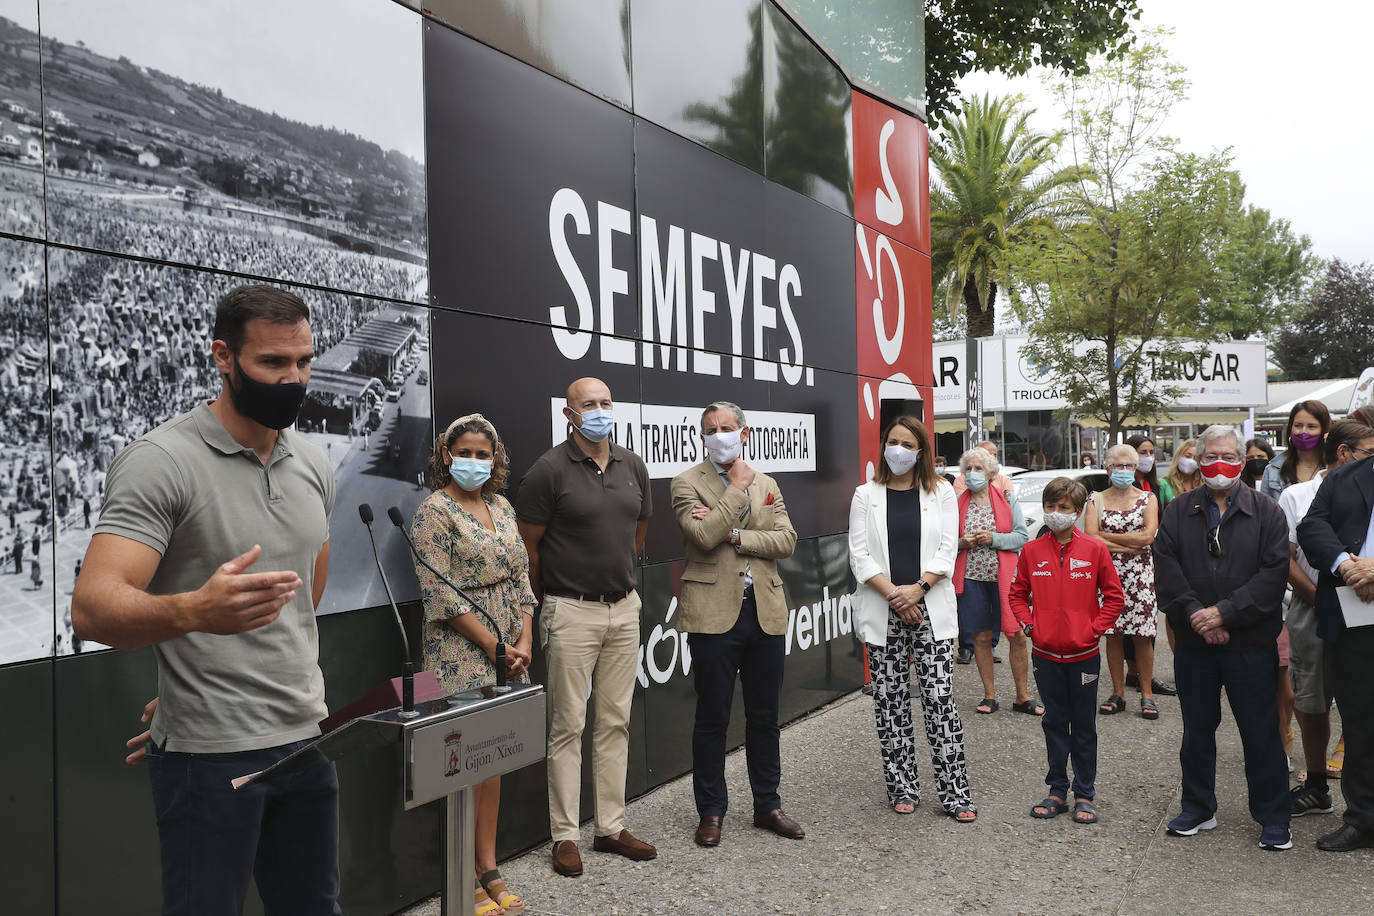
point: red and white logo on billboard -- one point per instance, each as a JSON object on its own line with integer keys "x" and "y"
{"x": 891, "y": 173}
{"x": 892, "y": 265}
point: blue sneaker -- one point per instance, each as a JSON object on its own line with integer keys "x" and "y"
{"x": 1187, "y": 824}
{"x": 1276, "y": 838}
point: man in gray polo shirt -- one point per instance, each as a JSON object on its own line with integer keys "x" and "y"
{"x": 212, "y": 547}
{"x": 583, "y": 510}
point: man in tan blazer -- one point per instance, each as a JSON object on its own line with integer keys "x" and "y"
{"x": 735, "y": 528}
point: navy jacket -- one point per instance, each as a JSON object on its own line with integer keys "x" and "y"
{"x": 1336, "y": 523}
{"x": 1248, "y": 582}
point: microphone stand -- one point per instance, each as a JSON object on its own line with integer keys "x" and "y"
{"x": 501, "y": 687}
{"x": 407, "y": 667}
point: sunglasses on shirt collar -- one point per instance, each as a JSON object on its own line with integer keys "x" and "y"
{"x": 1214, "y": 542}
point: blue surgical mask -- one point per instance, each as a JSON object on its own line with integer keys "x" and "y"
{"x": 470, "y": 473}
{"x": 1123, "y": 478}
{"x": 597, "y": 424}
{"x": 976, "y": 480}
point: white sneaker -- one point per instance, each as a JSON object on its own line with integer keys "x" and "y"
{"x": 1187, "y": 825}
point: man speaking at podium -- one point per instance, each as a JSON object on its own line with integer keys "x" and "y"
{"x": 212, "y": 547}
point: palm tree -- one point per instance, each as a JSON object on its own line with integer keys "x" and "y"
{"x": 995, "y": 189}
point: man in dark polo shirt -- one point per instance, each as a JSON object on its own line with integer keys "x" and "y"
{"x": 212, "y": 548}
{"x": 583, "y": 509}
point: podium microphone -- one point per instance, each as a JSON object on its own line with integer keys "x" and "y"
{"x": 395, "y": 515}
{"x": 407, "y": 667}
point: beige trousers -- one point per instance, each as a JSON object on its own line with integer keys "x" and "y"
{"x": 591, "y": 649}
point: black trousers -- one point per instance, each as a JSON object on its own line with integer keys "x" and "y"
{"x": 1251, "y": 679}
{"x": 1069, "y": 692}
{"x": 756, "y": 658}
{"x": 214, "y": 838}
{"x": 1352, "y": 655}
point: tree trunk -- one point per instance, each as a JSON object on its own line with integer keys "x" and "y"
{"x": 981, "y": 321}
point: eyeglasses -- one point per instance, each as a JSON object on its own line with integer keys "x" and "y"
{"x": 1362, "y": 452}
{"x": 1214, "y": 542}
{"x": 1122, "y": 467}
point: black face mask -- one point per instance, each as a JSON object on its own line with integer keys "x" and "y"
{"x": 274, "y": 406}
{"x": 1256, "y": 466}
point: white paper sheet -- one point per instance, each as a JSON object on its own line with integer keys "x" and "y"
{"x": 1357, "y": 613}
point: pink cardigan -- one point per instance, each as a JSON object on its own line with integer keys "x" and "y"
{"x": 1006, "y": 559}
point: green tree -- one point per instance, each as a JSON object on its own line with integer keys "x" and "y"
{"x": 1270, "y": 270}
{"x": 994, "y": 191}
{"x": 1332, "y": 339}
{"x": 1106, "y": 297}
{"x": 1112, "y": 295}
{"x": 1013, "y": 36}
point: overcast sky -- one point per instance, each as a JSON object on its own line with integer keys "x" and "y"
{"x": 1288, "y": 87}
{"x": 350, "y": 64}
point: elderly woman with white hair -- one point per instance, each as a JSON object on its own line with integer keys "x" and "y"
{"x": 992, "y": 532}
{"x": 1126, "y": 518}
{"x": 466, "y": 529}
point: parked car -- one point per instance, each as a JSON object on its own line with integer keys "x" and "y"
{"x": 1031, "y": 484}
{"x": 422, "y": 378}
{"x": 393, "y": 393}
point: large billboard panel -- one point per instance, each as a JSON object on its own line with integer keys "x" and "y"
{"x": 892, "y": 293}
{"x": 131, "y": 350}
{"x": 21, "y": 121}
{"x": 199, "y": 134}
{"x": 1213, "y": 375}
{"x": 31, "y": 513}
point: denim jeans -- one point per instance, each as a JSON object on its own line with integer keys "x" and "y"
{"x": 214, "y": 838}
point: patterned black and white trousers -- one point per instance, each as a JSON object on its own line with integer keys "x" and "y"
{"x": 891, "y": 670}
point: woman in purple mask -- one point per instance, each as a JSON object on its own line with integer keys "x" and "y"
{"x": 1308, "y": 422}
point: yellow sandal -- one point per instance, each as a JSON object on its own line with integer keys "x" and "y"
{"x": 484, "y": 905}
{"x": 495, "y": 886}
{"x": 1337, "y": 761}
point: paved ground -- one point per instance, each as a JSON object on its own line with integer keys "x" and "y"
{"x": 858, "y": 856}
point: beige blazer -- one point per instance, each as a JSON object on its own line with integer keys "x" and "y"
{"x": 713, "y": 577}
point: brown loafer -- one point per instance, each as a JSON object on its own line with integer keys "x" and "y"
{"x": 624, "y": 844}
{"x": 779, "y": 823}
{"x": 566, "y": 859}
{"x": 708, "y": 831}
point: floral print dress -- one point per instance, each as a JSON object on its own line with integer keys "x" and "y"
{"x": 491, "y": 566}
{"x": 1137, "y": 571}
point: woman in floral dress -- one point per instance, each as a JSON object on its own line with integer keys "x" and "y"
{"x": 1126, "y": 518}
{"x": 466, "y": 529}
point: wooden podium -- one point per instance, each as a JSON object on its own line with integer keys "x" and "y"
{"x": 447, "y": 746}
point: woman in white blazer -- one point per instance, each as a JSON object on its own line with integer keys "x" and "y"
{"x": 903, "y": 539}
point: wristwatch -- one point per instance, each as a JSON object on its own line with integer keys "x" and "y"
{"x": 925, "y": 586}
{"x": 734, "y": 536}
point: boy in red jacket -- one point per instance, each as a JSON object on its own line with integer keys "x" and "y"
{"x": 1066, "y": 594}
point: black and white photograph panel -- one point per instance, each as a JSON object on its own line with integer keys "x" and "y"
{"x": 26, "y": 478}
{"x": 21, "y": 120}
{"x": 200, "y": 134}
{"x": 131, "y": 350}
